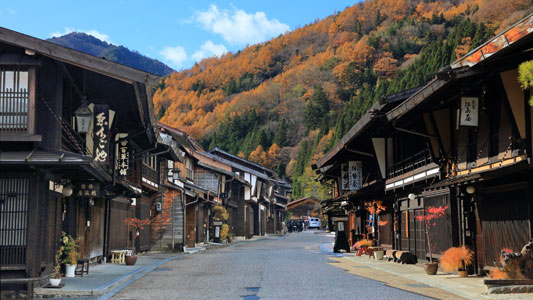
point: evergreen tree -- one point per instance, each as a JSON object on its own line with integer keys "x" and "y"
{"x": 281, "y": 135}
{"x": 316, "y": 109}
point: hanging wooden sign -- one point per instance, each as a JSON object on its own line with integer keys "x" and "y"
{"x": 101, "y": 133}
{"x": 469, "y": 111}
{"x": 356, "y": 175}
{"x": 123, "y": 159}
{"x": 345, "y": 177}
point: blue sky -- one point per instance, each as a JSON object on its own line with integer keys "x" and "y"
{"x": 175, "y": 32}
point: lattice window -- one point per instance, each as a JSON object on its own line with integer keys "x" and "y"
{"x": 14, "y": 197}
{"x": 15, "y": 101}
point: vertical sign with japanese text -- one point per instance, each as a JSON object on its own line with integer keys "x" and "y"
{"x": 345, "y": 177}
{"x": 469, "y": 111}
{"x": 123, "y": 158}
{"x": 101, "y": 133}
{"x": 356, "y": 175}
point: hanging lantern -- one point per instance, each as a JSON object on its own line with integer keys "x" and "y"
{"x": 84, "y": 117}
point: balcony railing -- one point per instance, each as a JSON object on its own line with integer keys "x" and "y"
{"x": 412, "y": 162}
{"x": 150, "y": 174}
{"x": 15, "y": 103}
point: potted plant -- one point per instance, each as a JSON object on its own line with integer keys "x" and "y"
{"x": 457, "y": 258}
{"x": 137, "y": 225}
{"x": 375, "y": 208}
{"x": 70, "y": 253}
{"x": 430, "y": 216}
{"x": 55, "y": 278}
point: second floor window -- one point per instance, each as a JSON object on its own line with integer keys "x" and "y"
{"x": 150, "y": 162}
{"x": 149, "y": 169}
{"x": 15, "y": 101}
{"x": 190, "y": 172}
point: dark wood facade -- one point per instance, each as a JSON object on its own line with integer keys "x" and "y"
{"x": 42, "y": 153}
{"x": 428, "y": 156}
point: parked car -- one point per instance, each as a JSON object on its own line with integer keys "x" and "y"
{"x": 314, "y": 223}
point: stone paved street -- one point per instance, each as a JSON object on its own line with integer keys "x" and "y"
{"x": 289, "y": 267}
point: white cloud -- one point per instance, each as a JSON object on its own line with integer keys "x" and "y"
{"x": 209, "y": 49}
{"x": 238, "y": 27}
{"x": 175, "y": 55}
{"x": 101, "y": 36}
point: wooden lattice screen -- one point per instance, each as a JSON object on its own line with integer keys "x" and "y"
{"x": 14, "y": 101}
{"x": 14, "y": 194}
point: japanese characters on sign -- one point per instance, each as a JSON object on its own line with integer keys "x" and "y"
{"x": 469, "y": 111}
{"x": 345, "y": 177}
{"x": 88, "y": 190}
{"x": 101, "y": 133}
{"x": 123, "y": 160}
{"x": 352, "y": 176}
{"x": 356, "y": 175}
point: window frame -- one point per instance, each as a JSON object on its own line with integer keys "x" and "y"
{"x": 30, "y": 124}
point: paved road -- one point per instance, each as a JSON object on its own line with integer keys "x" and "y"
{"x": 294, "y": 266}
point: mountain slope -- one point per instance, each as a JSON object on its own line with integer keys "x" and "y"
{"x": 286, "y": 101}
{"x": 87, "y": 43}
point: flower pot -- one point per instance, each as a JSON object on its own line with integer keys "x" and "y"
{"x": 131, "y": 260}
{"x": 463, "y": 273}
{"x": 431, "y": 268}
{"x": 54, "y": 281}
{"x": 70, "y": 271}
{"x": 378, "y": 254}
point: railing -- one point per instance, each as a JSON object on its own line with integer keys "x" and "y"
{"x": 149, "y": 173}
{"x": 413, "y": 162}
{"x": 14, "y": 102}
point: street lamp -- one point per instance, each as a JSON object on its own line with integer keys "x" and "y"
{"x": 83, "y": 117}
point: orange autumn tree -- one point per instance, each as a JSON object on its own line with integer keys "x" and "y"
{"x": 430, "y": 216}
{"x": 259, "y": 156}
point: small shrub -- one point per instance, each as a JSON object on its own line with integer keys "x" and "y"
{"x": 456, "y": 258}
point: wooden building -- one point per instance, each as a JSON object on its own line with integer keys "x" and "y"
{"x": 304, "y": 208}
{"x": 278, "y": 209}
{"x": 463, "y": 141}
{"x": 57, "y": 173}
{"x": 255, "y": 208}
{"x": 478, "y": 125}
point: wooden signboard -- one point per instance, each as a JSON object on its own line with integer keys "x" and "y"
{"x": 469, "y": 111}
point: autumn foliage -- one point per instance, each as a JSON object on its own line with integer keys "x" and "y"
{"x": 313, "y": 83}
{"x": 429, "y": 217}
{"x": 456, "y": 258}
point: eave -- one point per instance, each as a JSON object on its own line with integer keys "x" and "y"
{"x": 77, "y": 58}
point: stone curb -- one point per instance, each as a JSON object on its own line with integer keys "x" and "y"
{"x": 105, "y": 291}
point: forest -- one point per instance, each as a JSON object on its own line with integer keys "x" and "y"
{"x": 89, "y": 44}
{"x": 285, "y": 102}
